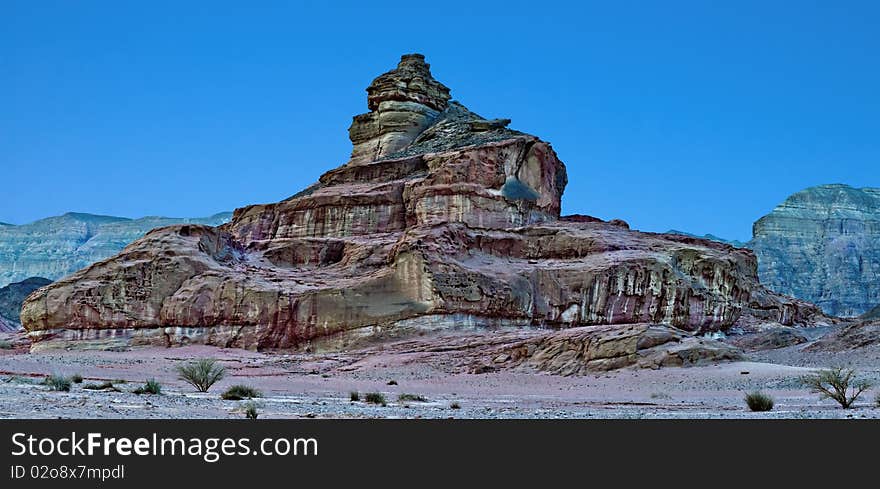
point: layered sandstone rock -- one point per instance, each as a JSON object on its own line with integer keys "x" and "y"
{"x": 580, "y": 351}
{"x": 769, "y": 337}
{"x": 433, "y": 224}
{"x": 823, "y": 245}
{"x": 403, "y": 103}
{"x": 60, "y": 245}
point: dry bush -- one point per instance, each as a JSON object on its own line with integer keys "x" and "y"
{"x": 837, "y": 383}
{"x": 758, "y": 401}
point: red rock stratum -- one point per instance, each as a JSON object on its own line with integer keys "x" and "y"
{"x": 441, "y": 219}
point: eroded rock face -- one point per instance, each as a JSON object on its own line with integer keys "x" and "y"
{"x": 823, "y": 245}
{"x": 854, "y": 336}
{"x": 769, "y": 338}
{"x": 455, "y": 219}
{"x": 580, "y": 351}
{"x": 58, "y": 246}
{"x": 403, "y": 103}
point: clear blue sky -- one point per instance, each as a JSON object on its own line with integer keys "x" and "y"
{"x": 668, "y": 114}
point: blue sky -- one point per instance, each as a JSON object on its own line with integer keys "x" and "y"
{"x": 668, "y": 114}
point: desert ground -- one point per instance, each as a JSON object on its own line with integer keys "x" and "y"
{"x": 319, "y": 386}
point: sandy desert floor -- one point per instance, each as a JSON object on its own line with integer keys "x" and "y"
{"x": 319, "y": 386}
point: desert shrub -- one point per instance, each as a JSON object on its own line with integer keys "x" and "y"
{"x": 455, "y": 405}
{"x": 758, "y": 401}
{"x": 375, "y": 398}
{"x": 101, "y": 387}
{"x": 877, "y": 400}
{"x": 239, "y": 392}
{"x": 837, "y": 383}
{"x": 392, "y": 382}
{"x": 354, "y": 396}
{"x": 76, "y": 378}
{"x": 202, "y": 373}
{"x": 150, "y": 387}
{"x": 251, "y": 411}
{"x": 5, "y": 345}
{"x": 58, "y": 383}
{"x": 411, "y": 397}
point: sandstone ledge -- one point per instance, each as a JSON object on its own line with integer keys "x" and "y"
{"x": 475, "y": 345}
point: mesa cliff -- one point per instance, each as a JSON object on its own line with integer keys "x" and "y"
{"x": 11, "y": 298}
{"x": 441, "y": 219}
{"x": 823, "y": 245}
{"x": 60, "y": 245}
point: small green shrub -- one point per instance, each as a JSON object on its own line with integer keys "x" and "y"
{"x": 239, "y": 392}
{"x": 5, "y": 345}
{"x": 202, "y": 373}
{"x": 150, "y": 387}
{"x": 76, "y": 379}
{"x": 103, "y": 386}
{"x": 153, "y": 387}
{"x": 58, "y": 383}
{"x": 375, "y": 398}
{"x": 455, "y": 405}
{"x": 411, "y": 398}
{"x": 392, "y": 382}
{"x": 758, "y": 401}
{"x": 354, "y": 396}
{"x": 837, "y": 383}
{"x": 251, "y": 411}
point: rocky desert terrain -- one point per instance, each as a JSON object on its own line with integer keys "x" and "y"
{"x": 319, "y": 385}
{"x": 435, "y": 270}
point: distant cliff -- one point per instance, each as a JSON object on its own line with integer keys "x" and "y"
{"x": 58, "y": 246}
{"x": 11, "y": 297}
{"x": 873, "y": 314}
{"x": 823, "y": 245}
